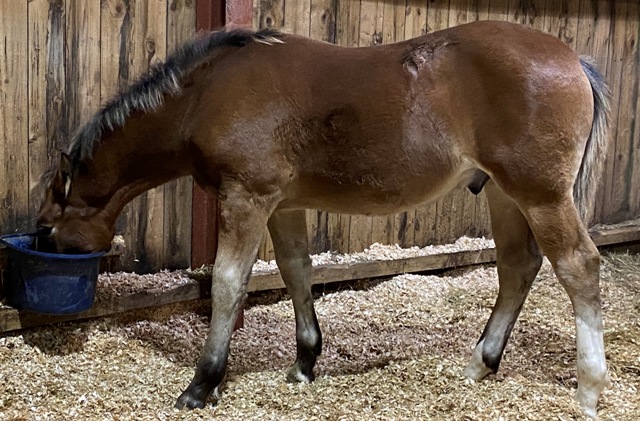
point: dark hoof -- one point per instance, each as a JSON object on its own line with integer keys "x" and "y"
{"x": 187, "y": 401}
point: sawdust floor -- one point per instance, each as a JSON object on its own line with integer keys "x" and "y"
{"x": 393, "y": 349}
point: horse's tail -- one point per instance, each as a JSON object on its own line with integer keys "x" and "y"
{"x": 593, "y": 158}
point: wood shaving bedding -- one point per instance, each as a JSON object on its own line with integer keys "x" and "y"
{"x": 392, "y": 351}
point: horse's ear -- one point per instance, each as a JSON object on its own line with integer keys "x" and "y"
{"x": 62, "y": 179}
{"x": 65, "y": 171}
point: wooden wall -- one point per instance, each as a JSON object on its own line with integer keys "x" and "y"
{"x": 606, "y": 30}
{"x": 59, "y": 61}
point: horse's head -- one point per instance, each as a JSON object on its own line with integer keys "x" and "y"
{"x": 66, "y": 222}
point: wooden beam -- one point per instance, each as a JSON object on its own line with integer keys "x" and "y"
{"x": 608, "y": 237}
{"x": 210, "y": 15}
{"x": 239, "y": 13}
{"x": 12, "y": 319}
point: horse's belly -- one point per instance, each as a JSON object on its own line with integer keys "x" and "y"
{"x": 369, "y": 197}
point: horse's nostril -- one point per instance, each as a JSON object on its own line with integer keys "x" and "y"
{"x": 44, "y": 231}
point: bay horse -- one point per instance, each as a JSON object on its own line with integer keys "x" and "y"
{"x": 274, "y": 124}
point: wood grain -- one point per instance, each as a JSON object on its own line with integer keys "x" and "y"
{"x": 181, "y": 20}
{"x": 64, "y": 58}
{"x": 14, "y": 118}
{"x": 48, "y": 129}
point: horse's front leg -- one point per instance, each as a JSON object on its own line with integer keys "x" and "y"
{"x": 241, "y": 227}
{"x": 290, "y": 243}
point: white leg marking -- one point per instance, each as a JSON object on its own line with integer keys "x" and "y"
{"x": 294, "y": 375}
{"x": 592, "y": 365}
{"x": 476, "y": 369}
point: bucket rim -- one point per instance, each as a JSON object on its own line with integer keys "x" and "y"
{"x": 5, "y": 240}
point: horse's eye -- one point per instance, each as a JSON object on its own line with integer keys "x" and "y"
{"x": 44, "y": 231}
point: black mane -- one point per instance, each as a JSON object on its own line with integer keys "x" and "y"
{"x": 166, "y": 78}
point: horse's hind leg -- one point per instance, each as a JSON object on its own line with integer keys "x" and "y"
{"x": 576, "y": 262}
{"x": 289, "y": 234}
{"x": 518, "y": 262}
{"x": 242, "y": 225}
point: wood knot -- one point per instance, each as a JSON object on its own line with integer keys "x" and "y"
{"x": 151, "y": 46}
{"x": 326, "y": 14}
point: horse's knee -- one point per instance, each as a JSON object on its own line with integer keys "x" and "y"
{"x": 228, "y": 289}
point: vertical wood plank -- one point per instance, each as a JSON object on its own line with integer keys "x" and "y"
{"x": 530, "y": 12}
{"x": 634, "y": 172}
{"x": 14, "y": 128}
{"x": 499, "y": 10}
{"x": 625, "y": 152}
{"x": 371, "y": 18}
{"x": 238, "y": 13}
{"x": 297, "y": 17}
{"x": 561, "y": 20}
{"x": 181, "y": 19}
{"x": 268, "y": 14}
{"x": 478, "y": 10}
{"x": 148, "y": 46}
{"x": 415, "y": 19}
{"x": 114, "y": 75}
{"x": 113, "y": 57}
{"x": 47, "y": 100}
{"x": 322, "y": 20}
{"x": 438, "y": 15}
{"x": 594, "y": 32}
{"x": 39, "y": 160}
{"x": 394, "y": 18}
{"x": 83, "y": 62}
{"x": 348, "y": 23}
{"x": 458, "y": 12}
{"x": 618, "y": 13}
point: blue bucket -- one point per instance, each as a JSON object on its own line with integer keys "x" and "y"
{"x": 47, "y": 282}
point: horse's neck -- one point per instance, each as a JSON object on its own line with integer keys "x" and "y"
{"x": 144, "y": 154}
